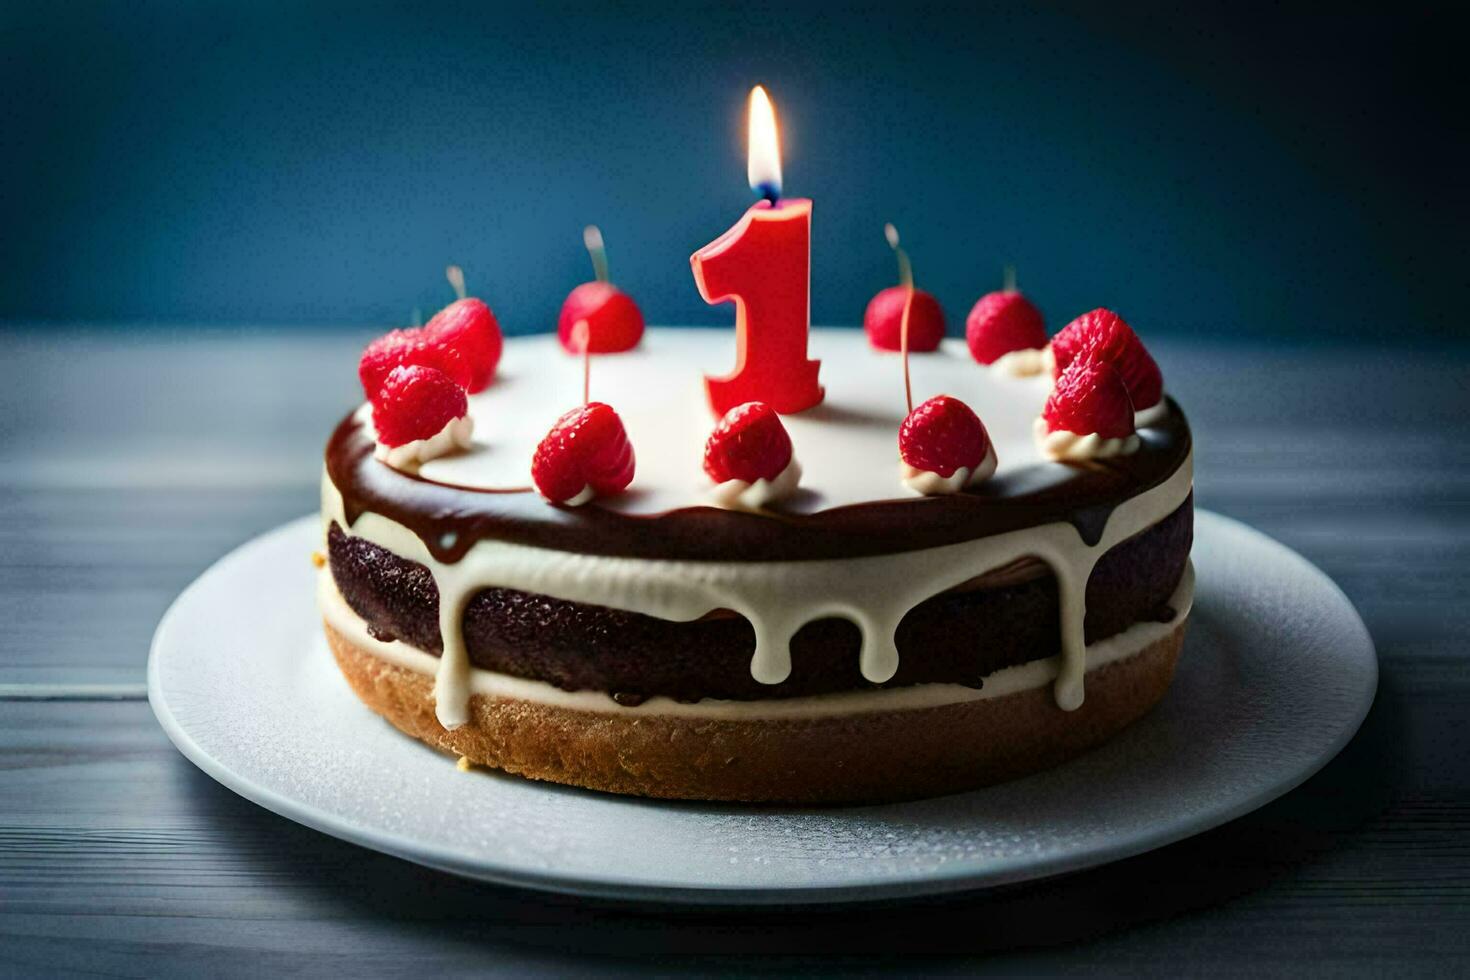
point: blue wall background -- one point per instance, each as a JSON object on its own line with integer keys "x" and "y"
{"x": 1208, "y": 169}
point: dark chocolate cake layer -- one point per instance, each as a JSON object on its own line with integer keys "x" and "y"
{"x": 956, "y": 637}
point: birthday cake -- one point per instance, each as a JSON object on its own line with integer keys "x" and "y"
{"x": 856, "y": 601}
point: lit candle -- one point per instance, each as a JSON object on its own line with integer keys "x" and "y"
{"x": 763, "y": 265}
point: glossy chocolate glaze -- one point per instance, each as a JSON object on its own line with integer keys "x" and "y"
{"x": 956, "y": 637}
{"x": 450, "y": 519}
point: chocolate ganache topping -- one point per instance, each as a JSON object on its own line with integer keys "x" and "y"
{"x": 451, "y": 516}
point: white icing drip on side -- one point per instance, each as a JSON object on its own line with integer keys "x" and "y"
{"x": 456, "y": 434}
{"x": 927, "y": 483}
{"x": 777, "y": 598}
{"x": 743, "y": 495}
{"x": 1022, "y": 363}
{"x": 1064, "y": 445}
{"x": 1008, "y": 680}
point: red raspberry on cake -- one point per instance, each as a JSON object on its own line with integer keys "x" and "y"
{"x": 1108, "y": 337}
{"x": 398, "y": 348}
{"x": 468, "y": 326}
{"x": 420, "y": 413}
{"x": 1089, "y": 414}
{"x": 586, "y": 454}
{"x": 1006, "y": 323}
{"x": 750, "y": 459}
{"x": 943, "y": 447}
{"x": 614, "y": 322}
{"x": 613, "y": 319}
{"x": 883, "y": 320}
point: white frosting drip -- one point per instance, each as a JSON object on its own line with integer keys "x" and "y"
{"x": 1023, "y": 363}
{"x": 744, "y": 495}
{"x": 456, "y": 434}
{"x": 927, "y": 483}
{"x": 778, "y": 598}
{"x": 1008, "y": 680}
{"x": 1076, "y": 447}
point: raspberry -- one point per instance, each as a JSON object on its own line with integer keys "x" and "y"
{"x": 1002, "y": 322}
{"x": 1089, "y": 397}
{"x": 1109, "y": 338}
{"x": 883, "y": 320}
{"x": 942, "y": 435}
{"x": 749, "y": 444}
{"x": 415, "y": 402}
{"x": 586, "y": 448}
{"x": 469, "y": 327}
{"x": 613, "y": 319}
{"x": 401, "y": 347}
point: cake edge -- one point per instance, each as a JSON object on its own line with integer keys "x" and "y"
{"x": 851, "y": 758}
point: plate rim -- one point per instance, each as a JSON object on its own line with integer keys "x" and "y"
{"x": 957, "y": 878}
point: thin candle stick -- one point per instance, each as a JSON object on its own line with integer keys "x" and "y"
{"x": 582, "y": 333}
{"x": 592, "y": 238}
{"x": 906, "y": 280}
{"x": 455, "y": 275}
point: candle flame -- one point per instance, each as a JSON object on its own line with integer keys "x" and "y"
{"x": 763, "y": 160}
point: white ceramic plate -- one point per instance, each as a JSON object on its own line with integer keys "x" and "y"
{"x": 1276, "y": 675}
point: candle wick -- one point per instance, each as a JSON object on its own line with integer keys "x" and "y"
{"x": 1008, "y": 278}
{"x": 770, "y": 193}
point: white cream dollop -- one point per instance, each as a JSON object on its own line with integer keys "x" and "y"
{"x": 456, "y": 434}
{"x": 579, "y": 498}
{"x": 1152, "y": 415}
{"x": 1025, "y": 363}
{"x": 927, "y": 483}
{"x": 1074, "y": 446}
{"x": 744, "y": 495}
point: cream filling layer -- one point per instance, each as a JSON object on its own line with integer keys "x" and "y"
{"x": 778, "y": 598}
{"x": 1008, "y": 680}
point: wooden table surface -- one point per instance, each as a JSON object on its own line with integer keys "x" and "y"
{"x": 131, "y": 461}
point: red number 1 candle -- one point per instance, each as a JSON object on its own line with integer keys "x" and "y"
{"x": 763, "y": 265}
